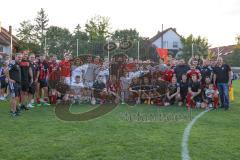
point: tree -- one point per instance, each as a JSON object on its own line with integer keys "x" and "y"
{"x": 97, "y": 28}
{"x": 199, "y": 46}
{"x": 27, "y": 37}
{"x": 126, "y": 34}
{"x": 82, "y": 38}
{"x": 58, "y": 40}
{"x": 233, "y": 58}
{"x": 41, "y": 26}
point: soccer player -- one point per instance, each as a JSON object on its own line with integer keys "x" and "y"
{"x": 26, "y": 80}
{"x": 65, "y": 69}
{"x": 134, "y": 90}
{"x": 33, "y": 85}
{"x": 14, "y": 79}
{"x": 53, "y": 76}
{"x": 194, "y": 93}
{"x": 99, "y": 91}
{"x": 42, "y": 80}
{"x": 173, "y": 92}
{"x": 194, "y": 71}
{"x": 183, "y": 89}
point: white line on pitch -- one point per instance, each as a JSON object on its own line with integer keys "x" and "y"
{"x": 186, "y": 134}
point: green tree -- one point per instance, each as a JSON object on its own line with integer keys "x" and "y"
{"x": 199, "y": 46}
{"x": 97, "y": 28}
{"x": 41, "y": 26}
{"x": 126, "y": 34}
{"x": 27, "y": 37}
{"x": 82, "y": 38}
{"x": 233, "y": 58}
{"x": 58, "y": 40}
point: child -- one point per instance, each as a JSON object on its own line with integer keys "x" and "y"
{"x": 172, "y": 92}
{"x": 209, "y": 94}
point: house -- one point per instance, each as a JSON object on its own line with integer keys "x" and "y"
{"x": 5, "y": 41}
{"x": 223, "y": 51}
{"x": 171, "y": 41}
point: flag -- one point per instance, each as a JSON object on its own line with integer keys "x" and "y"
{"x": 231, "y": 93}
{"x": 163, "y": 53}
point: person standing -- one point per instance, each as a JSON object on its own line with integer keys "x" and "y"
{"x": 222, "y": 78}
{"x": 14, "y": 80}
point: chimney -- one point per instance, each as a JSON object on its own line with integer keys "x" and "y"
{"x": 10, "y": 30}
{"x": 175, "y": 29}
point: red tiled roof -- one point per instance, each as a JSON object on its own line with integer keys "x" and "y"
{"x": 5, "y": 38}
{"x": 223, "y": 50}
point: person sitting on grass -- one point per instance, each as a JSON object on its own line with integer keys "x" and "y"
{"x": 113, "y": 89}
{"x": 173, "y": 92}
{"x": 134, "y": 90}
{"x": 194, "y": 93}
{"x": 99, "y": 91}
{"x": 145, "y": 91}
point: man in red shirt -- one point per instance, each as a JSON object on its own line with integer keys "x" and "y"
{"x": 194, "y": 71}
{"x": 65, "y": 69}
{"x": 168, "y": 74}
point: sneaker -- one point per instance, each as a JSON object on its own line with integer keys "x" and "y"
{"x": 14, "y": 114}
{"x": 30, "y": 105}
{"x": 2, "y": 98}
{"x": 46, "y": 104}
{"x": 23, "y": 107}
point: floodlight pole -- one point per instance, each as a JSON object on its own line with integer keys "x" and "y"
{"x": 108, "y": 52}
{"x": 45, "y": 46}
{"x": 138, "y": 52}
{"x": 77, "y": 47}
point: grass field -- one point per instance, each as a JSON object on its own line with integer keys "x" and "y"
{"x": 127, "y": 133}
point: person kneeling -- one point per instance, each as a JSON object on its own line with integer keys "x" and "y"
{"x": 173, "y": 92}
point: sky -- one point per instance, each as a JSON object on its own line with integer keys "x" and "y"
{"x": 216, "y": 20}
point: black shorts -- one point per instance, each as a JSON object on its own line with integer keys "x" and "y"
{"x": 32, "y": 88}
{"x": 25, "y": 86}
{"x": 3, "y": 84}
{"x": 43, "y": 83}
{"x": 183, "y": 97}
{"x": 15, "y": 89}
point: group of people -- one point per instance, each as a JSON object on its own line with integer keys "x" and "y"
{"x": 31, "y": 80}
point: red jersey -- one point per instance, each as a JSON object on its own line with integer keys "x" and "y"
{"x": 43, "y": 70}
{"x": 191, "y": 72}
{"x": 52, "y": 70}
{"x": 168, "y": 74}
{"x": 113, "y": 87}
{"x": 65, "y": 67}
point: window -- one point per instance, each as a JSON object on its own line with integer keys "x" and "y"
{"x": 175, "y": 44}
{"x": 1, "y": 48}
{"x": 165, "y": 44}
